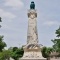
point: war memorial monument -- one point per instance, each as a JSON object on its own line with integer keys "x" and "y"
{"x": 32, "y": 50}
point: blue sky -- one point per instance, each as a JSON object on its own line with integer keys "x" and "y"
{"x": 15, "y": 21}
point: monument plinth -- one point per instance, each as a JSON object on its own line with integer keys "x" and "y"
{"x": 32, "y": 50}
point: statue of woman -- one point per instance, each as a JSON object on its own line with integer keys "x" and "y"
{"x": 32, "y": 5}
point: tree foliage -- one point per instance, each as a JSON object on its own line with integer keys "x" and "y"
{"x": 5, "y": 55}
{"x": 58, "y": 32}
{"x": 2, "y": 43}
{"x": 56, "y": 42}
{"x": 0, "y": 19}
{"x": 56, "y": 45}
{"x": 17, "y": 53}
{"x": 46, "y": 51}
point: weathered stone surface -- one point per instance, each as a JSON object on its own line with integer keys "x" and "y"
{"x": 32, "y": 50}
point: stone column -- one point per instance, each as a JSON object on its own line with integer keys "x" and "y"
{"x": 32, "y": 35}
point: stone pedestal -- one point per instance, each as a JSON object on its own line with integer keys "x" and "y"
{"x": 32, "y": 52}
{"x": 34, "y": 59}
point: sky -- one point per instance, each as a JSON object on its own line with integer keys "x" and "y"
{"x": 15, "y": 21}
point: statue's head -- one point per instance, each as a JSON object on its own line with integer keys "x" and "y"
{"x": 32, "y": 5}
{"x": 32, "y": 2}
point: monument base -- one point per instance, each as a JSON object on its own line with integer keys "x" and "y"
{"x": 32, "y": 52}
{"x": 33, "y": 59}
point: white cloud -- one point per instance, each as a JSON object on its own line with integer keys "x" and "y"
{"x": 14, "y": 3}
{"x": 50, "y": 23}
{"x": 5, "y": 14}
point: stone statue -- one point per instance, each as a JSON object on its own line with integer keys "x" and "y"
{"x": 32, "y": 5}
{"x": 32, "y": 50}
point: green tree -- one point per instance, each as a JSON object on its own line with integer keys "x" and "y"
{"x": 46, "y": 51}
{"x": 56, "y": 41}
{"x": 5, "y": 55}
{"x": 1, "y": 56}
{"x": 0, "y": 21}
{"x": 58, "y": 32}
{"x": 15, "y": 48}
{"x": 17, "y": 53}
{"x": 2, "y": 43}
